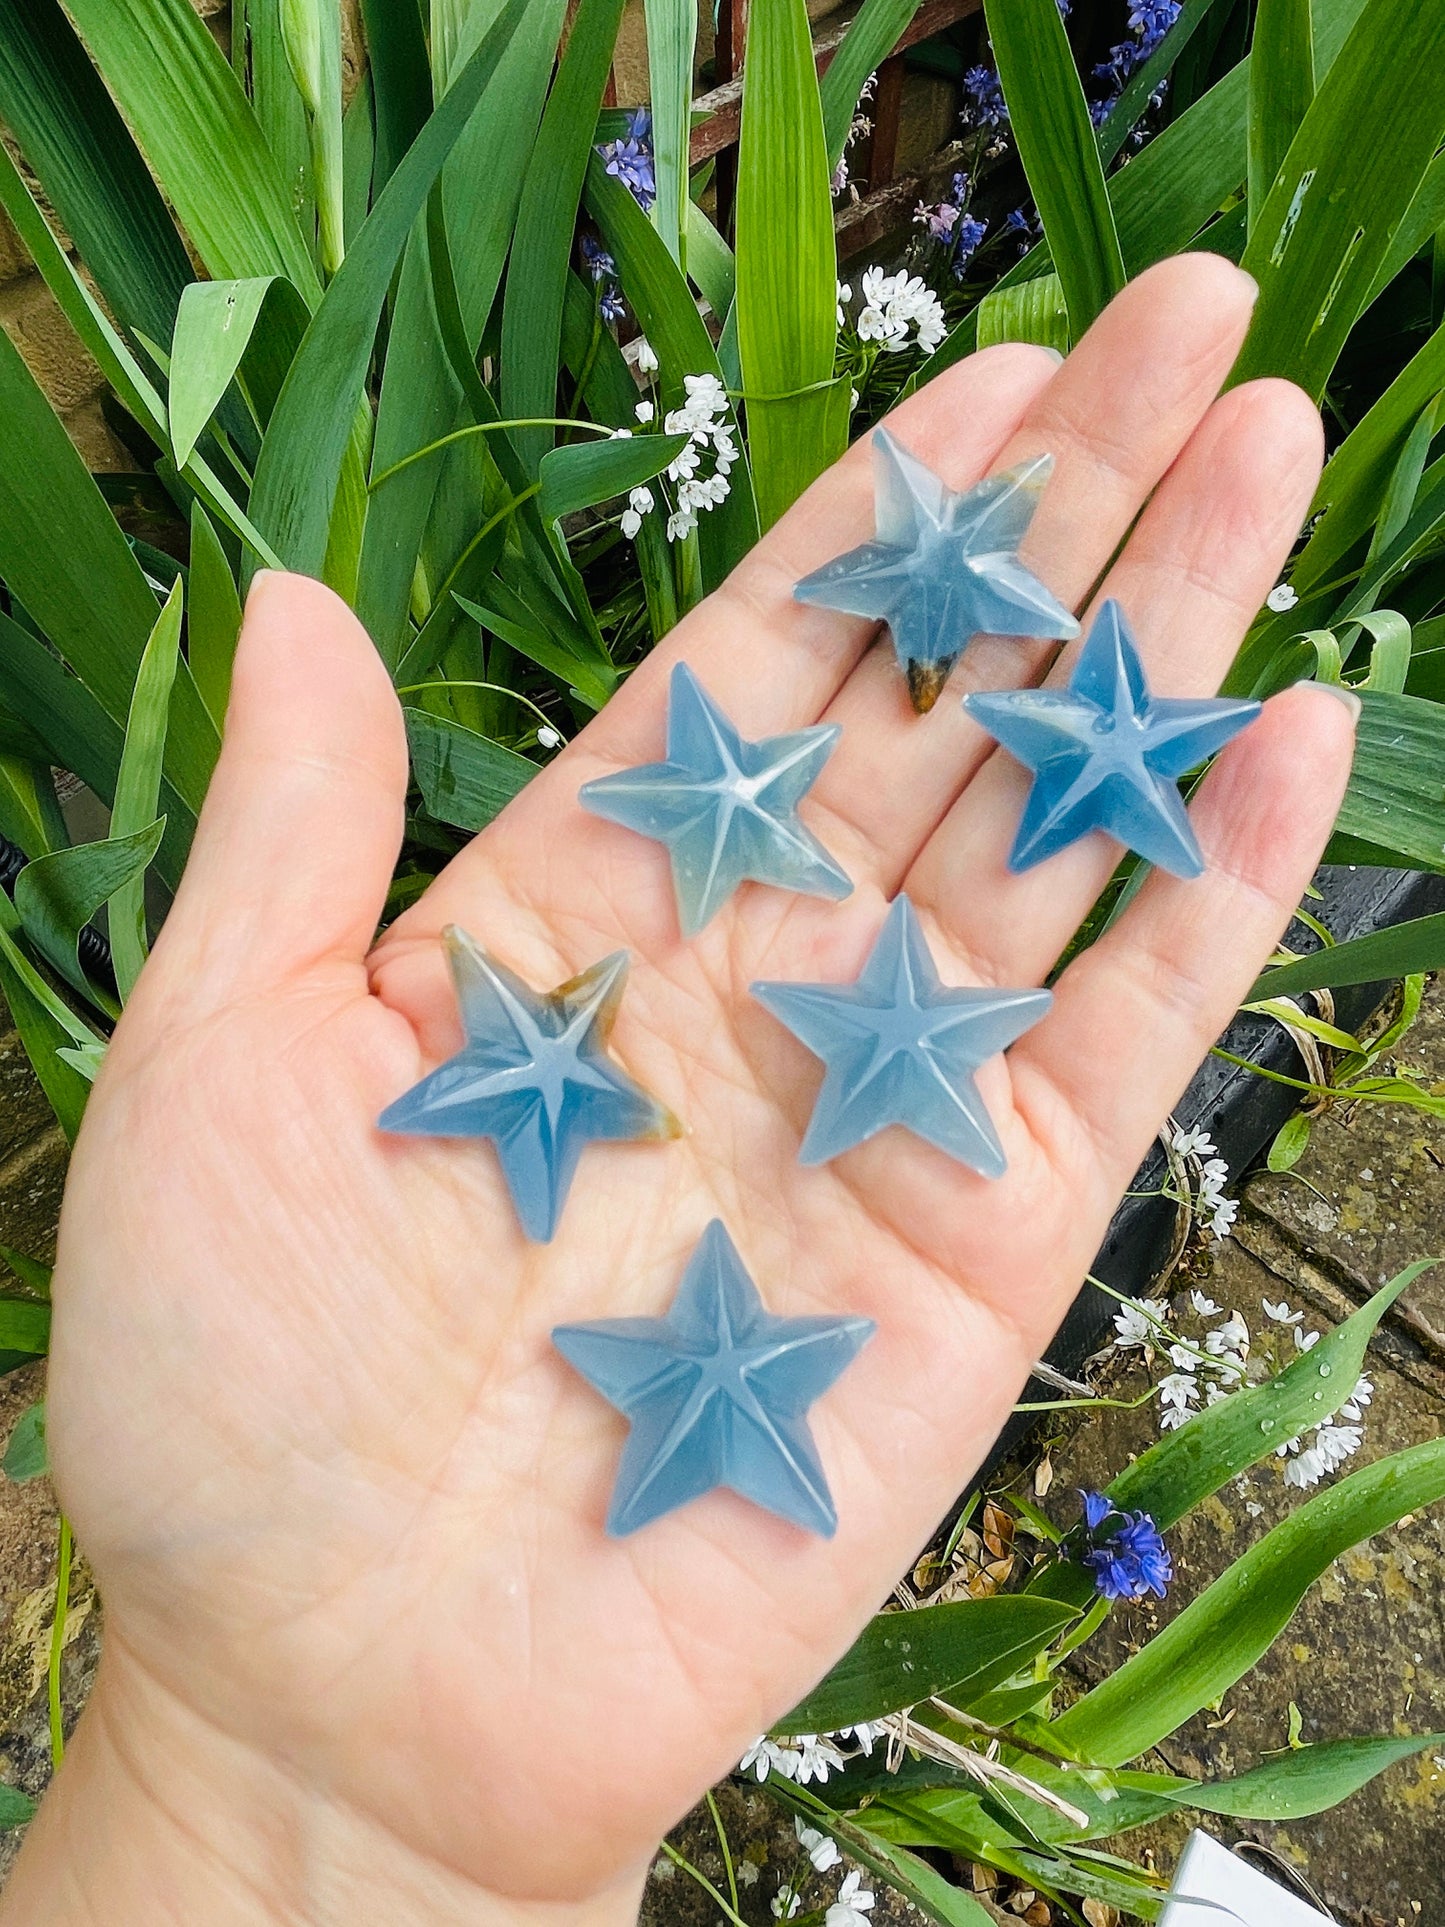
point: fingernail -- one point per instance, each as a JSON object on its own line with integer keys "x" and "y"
{"x": 1347, "y": 696}
{"x": 1053, "y": 354}
{"x": 1245, "y": 275}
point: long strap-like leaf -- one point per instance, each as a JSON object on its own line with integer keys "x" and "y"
{"x": 302, "y": 454}
{"x": 1059, "y": 150}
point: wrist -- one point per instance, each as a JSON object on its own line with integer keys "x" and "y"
{"x": 159, "y": 1819}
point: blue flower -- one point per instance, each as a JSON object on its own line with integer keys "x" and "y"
{"x": 629, "y": 159}
{"x": 599, "y": 263}
{"x": 1151, "y": 20}
{"x": 612, "y": 307}
{"x": 1131, "y": 1559}
{"x": 1122, "y": 61}
{"x": 984, "y": 90}
{"x": 967, "y": 235}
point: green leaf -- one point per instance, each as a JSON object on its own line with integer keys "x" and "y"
{"x": 1217, "y": 1638}
{"x": 1060, "y": 152}
{"x": 585, "y": 473}
{"x": 464, "y": 778}
{"x": 186, "y": 106}
{"x": 1346, "y": 182}
{"x": 400, "y": 78}
{"x": 873, "y": 33}
{"x": 58, "y": 895}
{"x": 711, "y": 262}
{"x": 547, "y": 216}
{"x": 1291, "y": 1141}
{"x": 669, "y": 318}
{"x": 34, "y": 1275}
{"x": 301, "y": 457}
{"x": 45, "y": 1026}
{"x": 29, "y": 813}
{"x": 138, "y": 784}
{"x": 507, "y": 616}
{"x": 1396, "y": 794}
{"x": 1281, "y": 87}
{"x": 671, "y": 45}
{"x": 213, "y": 619}
{"x": 1384, "y": 955}
{"x": 24, "y": 1459}
{"x": 213, "y": 330}
{"x": 1033, "y": 312}
{"x": 787, "y": 264}
{"x": 962, "y": 1651}
{"x": 90, "y": 168}
{"x": 16, "y": 1808}
{"x": 24, "y": 1326}
{"x": 1305, "y": 1781}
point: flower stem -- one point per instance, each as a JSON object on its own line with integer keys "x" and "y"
{"x": 483, "y": 428}
{"x": 679, "y": 1860}
{"x": 722, "y": 1840}
{"x": 57, "y": 1641}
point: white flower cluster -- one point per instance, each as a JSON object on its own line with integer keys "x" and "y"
{"x": 696, "y": 488}
{"x": 1202, "y": 1375}
{"x": 899, "y": 311}
{"x": 1211, "y": 1206}
{"x": 855, "y": 1901}
{"x": 807, "y": 1756}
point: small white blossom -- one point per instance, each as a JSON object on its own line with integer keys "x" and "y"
{"x": 1280, "y": 598}
{"x": 853, "y": 1905}
{"x": 864, "y": 1736}
{"x": 786, "y": 1904}
{"x": 1230, "y": 1367}
{"x": 644, "y": 411}
{"x": 1281, "y": 1313}
{"x": 684, "y": 463}
{"x": 1134, "y": 1325}
{"x": 818, "y": 1758}
{"x": 853, "y": 399}
{"x": 1205, "y": 1306}
{"x": 1183, "y": 1358}
{"x": 1221, "y": 1216}
{"x": 631, "y": 523}
{"x": 1196, "y": 1143}
{"x": 1179, "y": 1390}
{"x": 1306, "y": 1470}
{"x": 641, "y": 499}
{"x": 1231, "y": 1336}
{"x": 1354, "y": 1406}
{"x": 549, "y": 737}
{"x": 621, "y": 435}
{"x": 845, "y": 293}
{"x": 682, "y": 522}
{"x": 766, "y": 1756}
{"x": 646, "y": 356}
{"x": 820, "y": 1848}
{"x": 1305, "y": 1341}
{"x": 1336, "y": 1443}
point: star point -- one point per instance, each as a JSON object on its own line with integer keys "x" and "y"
{"x": 900, "y": 1047}
{"x": 1107, "y": 754}
{"x": 534, "y": 1075}
{"x": 717, "y": 1393}
{"x": 943, "y": 566}
{"x": 725, "y": 808}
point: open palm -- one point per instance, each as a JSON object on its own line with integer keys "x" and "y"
{"x": 343, "y": 1499}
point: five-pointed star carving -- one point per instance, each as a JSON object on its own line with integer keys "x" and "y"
{"x": 901, "y": 1048}
{"x": 1106, "y": 754}
{"x": 727, "y": 809}
{"x": 717, "y": 1393}
{"x": 943, "y": 567}
{"x": 534, "y": 1075}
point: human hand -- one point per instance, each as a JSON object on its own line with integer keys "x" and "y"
{"x": 343, "y": 1500}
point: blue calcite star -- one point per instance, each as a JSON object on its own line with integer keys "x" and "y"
{"x": 717, "y": 1393}
{"x": 1107, "y": 755}
{"x": 901, "y": 1048}
{"x": 727, "y": 809}
{"x": 534, "y": 1076}
{"x": 943, "y": 567}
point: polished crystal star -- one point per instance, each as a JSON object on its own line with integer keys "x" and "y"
{"x": 901, "y": 1048}
{"x": 534, "y": 1076}
{"x": 727, "y": 809}
{"x": 717, "y": 1393}
{"x": 943, "y": 567}
{"x": 1107, "y": 755}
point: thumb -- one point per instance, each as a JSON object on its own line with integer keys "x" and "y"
{"x": 303, "y": 819}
